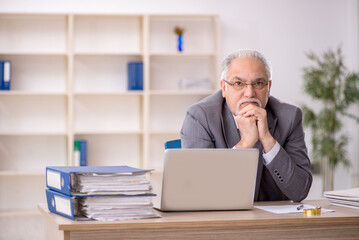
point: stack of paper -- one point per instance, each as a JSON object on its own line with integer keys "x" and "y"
{"x": 117, "y": 208}
{"x": 345, "y": 198}
{"x": 114, "y": 183}
{"x": 99, "y": 193}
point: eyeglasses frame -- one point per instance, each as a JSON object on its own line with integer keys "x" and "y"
{"x": 246, "y": 84}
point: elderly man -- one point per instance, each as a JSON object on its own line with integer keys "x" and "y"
{"x": 244, "y": 115}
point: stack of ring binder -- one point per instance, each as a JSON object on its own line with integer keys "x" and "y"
{"x": 99, "y": 193}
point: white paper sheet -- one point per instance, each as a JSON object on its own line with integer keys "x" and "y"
{"x": 288, "y": 208}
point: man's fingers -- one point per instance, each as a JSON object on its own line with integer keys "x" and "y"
{"x": 249, "y": 108}
{"x": 243, "y": 120}
{"x": 258, "y": 113}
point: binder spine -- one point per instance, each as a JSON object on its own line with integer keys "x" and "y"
{"x": 83, "y": 153}
{"x": 6, "y": 75}
{"x": 1, "y": 75}
{"x": 135, "y": 75}
{"x": 60, "y": 204}
{"x": 58, "y": 181}
{"x": 140, "y": 75}
{"x": 77, "y": 153}
{"x": 80, "y": 153}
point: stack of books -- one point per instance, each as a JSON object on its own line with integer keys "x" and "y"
{"x": 344, "y": 198}
{"x": 99, "y": 193}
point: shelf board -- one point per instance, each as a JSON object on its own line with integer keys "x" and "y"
{"x": 124, "y": 15}
{"x": 32, "y": 134}
{"x": 28, "y": 93}
{"x": 175, "y": 16}
{"x": 183, "y": 54}
{"x": 116, "y": 132}
{"x": 22, "y": 14}
{"x": 127, "y": 93}
{"x": 9, "y": 173}
{"x": 108, "y": 54}
{"x": 60, "y": 54}
{"x": 180, "y": 92}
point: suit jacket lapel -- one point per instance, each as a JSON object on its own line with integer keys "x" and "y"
{"x": 258, "y": 145}
{"x": 272, "y": 121}
{"x": 230, "y": 132}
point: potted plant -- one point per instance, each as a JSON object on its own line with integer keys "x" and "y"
{"x": 329, "y": 82}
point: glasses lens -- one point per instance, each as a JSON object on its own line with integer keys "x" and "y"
{"x": 259, "y": 85}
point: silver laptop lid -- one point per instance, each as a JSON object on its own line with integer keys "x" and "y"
{"x": 208, "y": 179}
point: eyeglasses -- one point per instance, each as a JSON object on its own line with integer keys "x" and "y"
{"x": 239, "y": 85}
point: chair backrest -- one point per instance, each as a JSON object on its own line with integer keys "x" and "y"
{"x": 173, "y": 144}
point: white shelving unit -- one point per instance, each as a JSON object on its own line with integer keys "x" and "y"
{"x": 69, "y": 81}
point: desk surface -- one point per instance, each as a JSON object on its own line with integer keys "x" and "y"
{"x": 253, "y": 218}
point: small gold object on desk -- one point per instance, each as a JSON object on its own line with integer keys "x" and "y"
{"x": 312, "y": 211}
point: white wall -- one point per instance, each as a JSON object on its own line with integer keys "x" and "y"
{"x": 283, "y": 30}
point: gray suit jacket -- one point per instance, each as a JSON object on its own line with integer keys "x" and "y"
{"x": 210, "y": 124}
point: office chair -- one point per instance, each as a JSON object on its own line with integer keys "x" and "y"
{"x": 173, "y": 144}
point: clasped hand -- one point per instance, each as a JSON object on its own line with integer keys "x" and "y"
{"x": 253, "y": 125}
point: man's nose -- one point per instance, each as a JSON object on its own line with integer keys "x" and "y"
{"x": 249, "y": 91}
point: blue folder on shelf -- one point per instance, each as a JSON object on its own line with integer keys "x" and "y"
{"x": 80, "y": 153}
{"x": 61, "y": 178}
{"x": 83, "y": 155}
{"x": 5, "y": 75}
{"x": 135, "y": 75}
{"x": 1, "y": 75}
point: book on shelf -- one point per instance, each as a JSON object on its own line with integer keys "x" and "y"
{"x": 135, "y": 75}
{"x": 344, "y": 198}
{"x": 5, "y": 75}
{"x": 80, "y": 153}
{"x": 103, "y": 193}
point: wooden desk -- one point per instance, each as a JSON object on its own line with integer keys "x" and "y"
{"x": 250, "y": 224}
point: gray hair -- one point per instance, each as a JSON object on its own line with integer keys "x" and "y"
{"x": 245, "y": 53}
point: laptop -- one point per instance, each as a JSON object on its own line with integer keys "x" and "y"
{"x": 206, "y": 179}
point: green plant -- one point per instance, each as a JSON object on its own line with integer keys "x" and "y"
{"x": 329, "y": 82}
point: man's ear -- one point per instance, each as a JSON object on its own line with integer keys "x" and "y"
{"x": 224, "y": 88}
